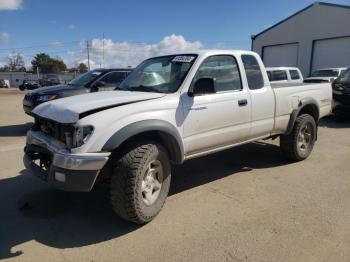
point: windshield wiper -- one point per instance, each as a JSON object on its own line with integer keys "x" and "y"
{"x": 143, "y": 88}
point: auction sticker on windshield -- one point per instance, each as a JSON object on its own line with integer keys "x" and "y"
{"x": 183, "y": 59}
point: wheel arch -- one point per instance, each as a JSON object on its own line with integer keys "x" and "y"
{"x": 156, "y": 130}
{"x": 306, "y": 106}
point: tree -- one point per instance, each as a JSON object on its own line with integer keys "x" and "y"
{"x": 47, "y": 64}
{"x": 5, "y": 69}
{"x": 57, "y": 65}
{"x": 82, "y": 68}
{"x": 78, "y": 69}
{"x": 15, "y": 62}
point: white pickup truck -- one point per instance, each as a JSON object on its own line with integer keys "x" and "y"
{"x": 170, "y": 109}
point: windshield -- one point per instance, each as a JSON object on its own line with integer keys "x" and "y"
{"x": 325, "y": 73}
{"x": 86, "y": 78}
{"x": 160, "y": 74}
{"x": 345, "y": 75}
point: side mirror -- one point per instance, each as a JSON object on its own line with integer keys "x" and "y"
{"x": 99, "y": 84}
{"x": 203, "y": 86}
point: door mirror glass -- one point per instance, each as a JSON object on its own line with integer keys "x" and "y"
{"x": 100, "y": 84}
{"x": 97, "y": 85}
{"x": 203, "y": 86}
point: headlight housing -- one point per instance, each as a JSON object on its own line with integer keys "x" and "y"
{"x": 79, "y": 137}
{"x": 44, "y": 98}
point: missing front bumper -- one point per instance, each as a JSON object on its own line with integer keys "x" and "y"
{"x": 63, "y": 170}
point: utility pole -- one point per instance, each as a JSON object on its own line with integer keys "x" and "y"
{"x": 103, "y": 49}
{"x": 88, "y": 53}
{"x": 37, "y": 73}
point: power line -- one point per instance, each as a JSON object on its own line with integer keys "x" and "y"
{"x": 50, "y": 45}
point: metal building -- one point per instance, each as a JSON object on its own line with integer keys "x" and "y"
{"x": 316, "y": 37}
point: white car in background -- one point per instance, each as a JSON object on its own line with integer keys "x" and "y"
{"x": 326, "y": 75}
{"x": 287, "y": 75}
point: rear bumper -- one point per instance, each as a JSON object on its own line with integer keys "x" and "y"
{"x": 65, "y": 171}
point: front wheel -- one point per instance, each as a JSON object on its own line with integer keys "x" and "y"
{"x": 299, "y": 143}
{"x": 140, "y": 182}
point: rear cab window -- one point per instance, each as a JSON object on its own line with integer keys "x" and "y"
{"x": 277, "y": 75}
{"x": 294, "y": 74}
{"x": 253, "y": 72}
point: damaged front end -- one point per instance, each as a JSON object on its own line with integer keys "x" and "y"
{"x": 48, "y": 155}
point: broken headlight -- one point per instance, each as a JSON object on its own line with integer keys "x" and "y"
{"x": 79, "y": 137}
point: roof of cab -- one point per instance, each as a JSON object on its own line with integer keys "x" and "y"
{"x": 207, "y": 52}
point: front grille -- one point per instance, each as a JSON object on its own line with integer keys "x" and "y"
{"x": 29, "y": 97}
{"x": 53, "y": 129}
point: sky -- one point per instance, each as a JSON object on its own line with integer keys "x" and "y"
{"x": 126, "y": 32}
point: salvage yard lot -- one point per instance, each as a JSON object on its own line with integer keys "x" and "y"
{"x": 243, "y": 204}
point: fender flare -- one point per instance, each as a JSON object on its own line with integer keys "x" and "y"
{"x": 295, "y": 113}
{"x": 175, "y": 146}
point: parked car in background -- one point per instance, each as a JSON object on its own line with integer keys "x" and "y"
{"x": 287, "y": 75}
{"x": 325, "y": 75}
{"x": 341, "y": 94}
{"x": 50, "y": 80}
{"x": 169, "y": 109}
{"x": 4, "y": 83}
{"x": 29, "y": 85}
{"x": 92, "y": 81}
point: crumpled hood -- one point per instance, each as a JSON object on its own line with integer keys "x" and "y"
{"x": 69, "y": 110}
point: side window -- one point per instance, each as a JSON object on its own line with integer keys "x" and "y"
{"x": 224, "y": 70}
{"x": 253, "y": 72}
{"x": 279, "y": 75}
{"x": 294, "y": 74}
{"x": 113, "y": 78}
{"x": 269, "y": 74}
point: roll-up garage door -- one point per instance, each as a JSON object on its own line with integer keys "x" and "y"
{"x": 281, "y": 55}
{"x": 331, "y": 53}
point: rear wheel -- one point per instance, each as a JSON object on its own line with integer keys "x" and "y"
{"x": 299, "y": 143}
{"x": 140, "y": 182}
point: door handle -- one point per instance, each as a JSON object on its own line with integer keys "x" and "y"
{"x": 242, "y": 102}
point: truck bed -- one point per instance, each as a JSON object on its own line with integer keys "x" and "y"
{"x": 288, "y": 97}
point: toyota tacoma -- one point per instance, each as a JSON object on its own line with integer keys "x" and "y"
{"x": 169, "y": 109}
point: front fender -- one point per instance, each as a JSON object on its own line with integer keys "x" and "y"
{"x": 175, "y": 143}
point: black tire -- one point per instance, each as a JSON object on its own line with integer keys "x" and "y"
{"x": 22, "y": 88}
{"x": 292, "y": 144}
{"x": 130, "y": 178}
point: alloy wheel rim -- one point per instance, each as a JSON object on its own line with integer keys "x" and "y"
{"x": 305, "y": 137}
{"x": 152, "y": 182}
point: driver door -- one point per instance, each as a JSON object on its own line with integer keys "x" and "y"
{"x": 219, "y": 119}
